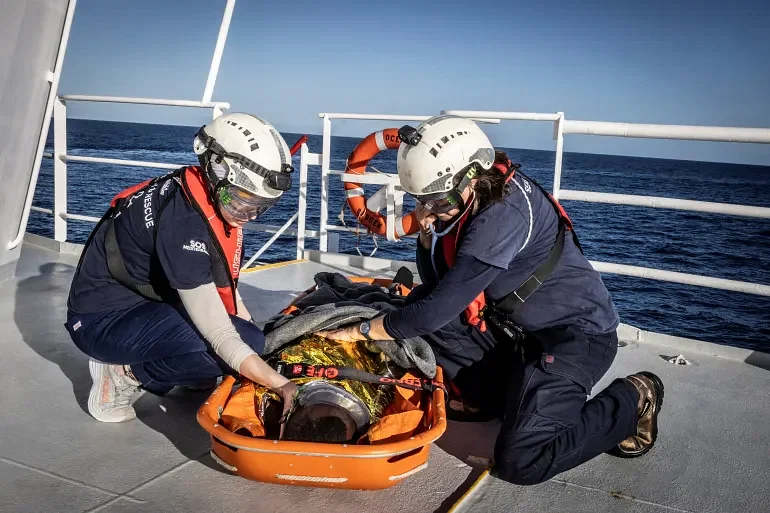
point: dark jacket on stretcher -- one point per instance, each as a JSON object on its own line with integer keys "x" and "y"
{"x": 497, "y": 250}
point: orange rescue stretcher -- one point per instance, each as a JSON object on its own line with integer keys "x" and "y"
{"x": 351, "y": 466}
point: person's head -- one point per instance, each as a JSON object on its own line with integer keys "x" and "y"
{"x": 320, "y": 423}
{"x": 447, "y": 162}
{"x": 247, "y": 164}
{"x": 324, "y": 412}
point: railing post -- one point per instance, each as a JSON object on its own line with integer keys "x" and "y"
{"x": 558, "y": 134}
{"x": 270, "y": 241}
{"x": 302, "y": 193}
{"x": 333, "y": 243}
{"x": 390, "y": 223}
{"x": 399, "y": 202}
{"x": 59, "y": 170}
{"x": 224, "y": 27}
{"x": 326, "y": 149}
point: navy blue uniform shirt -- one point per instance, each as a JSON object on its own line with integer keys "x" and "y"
{"x": 180, "y": 254}
{"x": 500, "y": 247}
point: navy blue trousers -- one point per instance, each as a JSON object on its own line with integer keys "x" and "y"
{"x": 539, "y": 388}
{"x": 158, "y": 341}
{"x": 548, "y": 426}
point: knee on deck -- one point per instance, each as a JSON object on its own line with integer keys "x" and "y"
{"x": 515, "y": 473}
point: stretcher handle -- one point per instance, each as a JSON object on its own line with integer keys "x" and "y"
{"x": 215, "y": 404}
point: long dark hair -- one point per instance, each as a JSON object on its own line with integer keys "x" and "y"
{"x": 489, "y": 185}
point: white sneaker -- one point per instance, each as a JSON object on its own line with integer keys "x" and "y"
{"x": 112, "y": 393}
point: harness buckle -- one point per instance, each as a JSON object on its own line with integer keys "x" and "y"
{"x": 527, "y": 288}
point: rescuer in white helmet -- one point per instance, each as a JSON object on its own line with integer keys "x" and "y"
{"x": 518, "y": 318}
{"x": 154, "y": 301}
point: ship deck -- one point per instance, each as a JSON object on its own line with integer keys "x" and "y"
{"x": 712, "y": 455}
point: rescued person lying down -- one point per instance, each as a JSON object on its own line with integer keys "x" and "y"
{"x": 337, "y": 410}
{"x": 331, "y": 410}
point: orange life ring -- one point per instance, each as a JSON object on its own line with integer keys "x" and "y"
{"x": 370, "y": 146}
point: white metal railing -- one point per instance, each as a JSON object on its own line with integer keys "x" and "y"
{"x": 219, "y": 48}
{"x": 144, "y": 101}
{"x": 390, "y": 198}
{"x": 60, "y": 156}
{"x": 561, "y": 127}
{"x": 670, "y": 203}
{"x": 119, "y": 162}
{"x": 682, "y": 132}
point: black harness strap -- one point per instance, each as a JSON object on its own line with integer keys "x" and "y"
{"x": 511, "y": 303}
{"x": 499, "y": 312}
{"x": 115, "y": 261}
{"x": 304, "y": 370}
{"x": 117, "y": 265}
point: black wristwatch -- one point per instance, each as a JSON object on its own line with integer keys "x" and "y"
{"x": 365, "y": 328}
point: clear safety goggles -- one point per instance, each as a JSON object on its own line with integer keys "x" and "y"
{"x": 438, "y": 204}
{"x": 243, "y": 206}
{"x": 323, "y": 392}
{"x": 445, "y": 201}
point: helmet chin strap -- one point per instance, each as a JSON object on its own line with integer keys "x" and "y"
{"x": 464, "y": 206}
{"x": 456, "y": 194}
{"x": 508, "y": 170}
{"x": 462, "y": 212}
{"x": 214, "y": 184}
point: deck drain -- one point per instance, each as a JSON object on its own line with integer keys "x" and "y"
{"x": 679, "y": 360}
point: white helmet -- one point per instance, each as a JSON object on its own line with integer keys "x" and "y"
{"x": 246, "y": 152}
{"x": 432, "y": 154}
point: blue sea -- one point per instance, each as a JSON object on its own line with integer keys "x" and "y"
{"x": 709, "y": 244}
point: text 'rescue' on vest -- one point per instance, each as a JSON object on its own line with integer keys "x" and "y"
{"x": 227, "y": 240}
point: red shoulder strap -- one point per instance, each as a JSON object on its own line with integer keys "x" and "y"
{"x": 229, "y": 240}
{"x": 449, "y": 246}
{"x": 130, "y": 191}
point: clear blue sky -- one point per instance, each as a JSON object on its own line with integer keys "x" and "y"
{"x": 680, "y": 62}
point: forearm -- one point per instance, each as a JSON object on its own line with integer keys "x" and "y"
{"x": 242, "y": 312}
{"x": 255, "y": 368}
{"x": 208, "y": 314}
{"x": 466, "y": 280}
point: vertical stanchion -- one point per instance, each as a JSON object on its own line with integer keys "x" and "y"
{"x": 326, "y": 149}
{"x": 59, "y": 170}
{"x": 558, "y": 134}
{"x": 303, "y": 156}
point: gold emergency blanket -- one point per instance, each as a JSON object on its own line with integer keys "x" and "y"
{"x": 315, "y": 350}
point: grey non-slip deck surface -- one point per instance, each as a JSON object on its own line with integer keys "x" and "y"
{"x": 713, "y": 452}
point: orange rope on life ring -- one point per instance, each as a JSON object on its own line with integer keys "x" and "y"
{"x": 370, "y": 146}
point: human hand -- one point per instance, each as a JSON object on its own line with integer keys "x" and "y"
{"x": 425, "y": 219}
{"x": 344, "y": 334}
{"x": 473, "y": 316}
{"x": 286, "y": 392}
